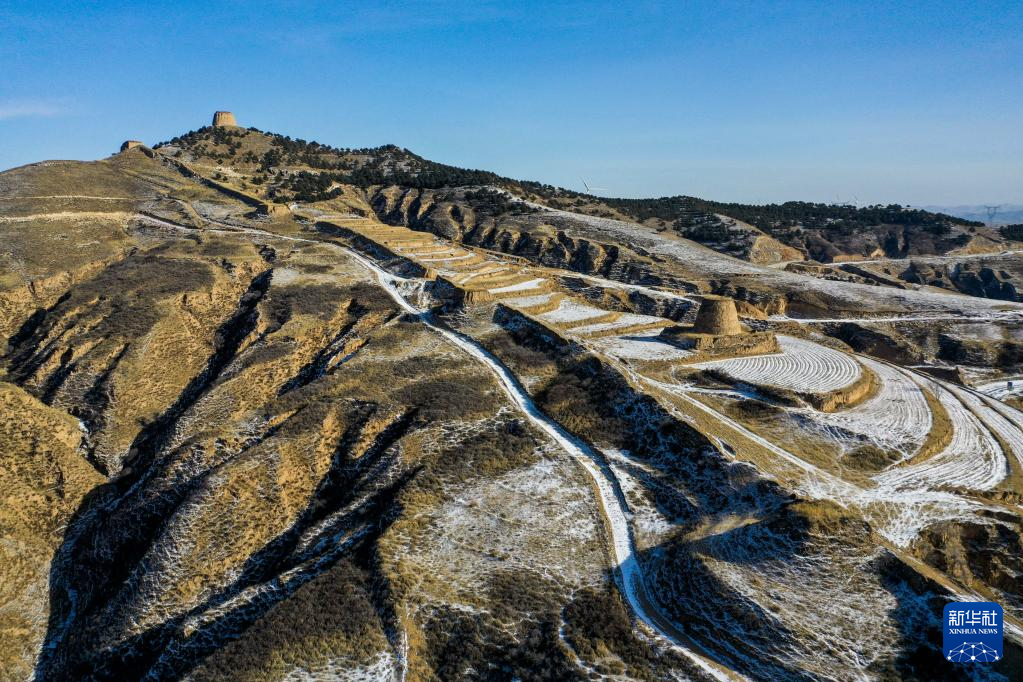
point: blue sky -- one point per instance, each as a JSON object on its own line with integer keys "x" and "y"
{"x": 909, "y": 102}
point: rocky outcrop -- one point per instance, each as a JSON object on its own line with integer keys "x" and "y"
{"x": 644, "y": 302}
{"x": 837, "y": 244}
{"x": 751, "y": 303}
{"x": 844, "y": 272}
{"x": 876, "y": 340}
{"x": 980, "y": 352}
{"x": 130, "y": 144}
{"x": 973, "y": 552}
{"x": 973, "y": 279}
{"x": 870, "y": 276}
{"x": 953, "y": 375}
{"x": 454, "y": 217}
{"x": 766, "y": 250}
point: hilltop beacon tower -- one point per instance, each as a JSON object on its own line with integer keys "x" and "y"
{"x": 224, "y": 119}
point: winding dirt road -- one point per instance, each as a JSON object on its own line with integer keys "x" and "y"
{"x": 611, "y": 500}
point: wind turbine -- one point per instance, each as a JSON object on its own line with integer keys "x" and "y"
{"x": 591, "y": 190}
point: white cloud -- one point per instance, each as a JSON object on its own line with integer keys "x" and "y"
{"x": 27, "y": 109}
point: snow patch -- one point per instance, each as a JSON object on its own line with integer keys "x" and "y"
{"x": 640, "y": 347}
{"x": 626, "y": 320}
{"x": 380, "y": 669}
{"x": 571, "y": 311}
{"x": 521, "y": 286}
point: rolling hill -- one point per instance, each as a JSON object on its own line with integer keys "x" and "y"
{"x": 279, "y": 410}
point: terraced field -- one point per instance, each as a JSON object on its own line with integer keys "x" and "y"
{"x": 897, "y": 419}
{"x": 973, "y": 459}
{"x": 800, "y": 366}
{"x": 1003, "y": 388}
{"x": 628, "y": 323}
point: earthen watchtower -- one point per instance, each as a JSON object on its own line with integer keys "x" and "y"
{"x": 224, "y": 119}
{"x": 717, "y": 316}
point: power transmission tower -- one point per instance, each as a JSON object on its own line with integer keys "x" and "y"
{"x": 992, "y": 211}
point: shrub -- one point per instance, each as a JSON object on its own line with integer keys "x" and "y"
{"x": 1013, "y": 232}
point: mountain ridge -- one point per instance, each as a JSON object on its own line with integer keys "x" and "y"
{"x": 324, "y": 166}
{"x": 412, "y": 433}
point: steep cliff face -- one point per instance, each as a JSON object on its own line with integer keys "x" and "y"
{"x": 642, "y": 301}
{"x": 973, "y": 279}
{"x": 487, "y": 219}
{"x": 1006, "y": 354}
{"x": 842, "y": 243}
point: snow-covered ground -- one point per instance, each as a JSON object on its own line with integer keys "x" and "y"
{"x": 625, "y": 286}
{"x": 626, "y": 320}
{"x": 694, "y": 257}
{"x": 444, "y": 258}
{"x": 571, "y": 311}
{"x": 896, "y": 419}
{"x": 647, "y": 519}
{"x": 629, "y": 573}
{"x": 383, "y": 668}
{"x": 981, "y": 331}
{"x": 520, "y": 286}
{"x": 819, "y": 607}
{"x": 1002, "y": 316}
{"x": 538, "y": 518}
{"x": 529, "y": 301}
{"x": 896, "y": 506}
{"x": 904, "y": 499}
{"x": 639, "y": 347}
{"x": 899, "y": 506}
{"x": 480, "y": 270}
{"x": 800, "y": 366}
{"x": 939, "y": 260}
{"x": 999, "y": 420}
{"x": 424, "y": 249}
{"x": 1002, "y": 389}
{"x": 973, "y": 459}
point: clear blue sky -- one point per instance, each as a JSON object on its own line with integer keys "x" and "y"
{"x": 910, "y": 102}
